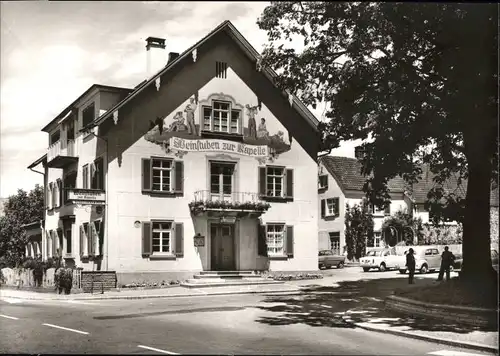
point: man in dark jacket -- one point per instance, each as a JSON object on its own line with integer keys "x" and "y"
{"x": 410, "y": 264}
{"x": 447, "y": 259}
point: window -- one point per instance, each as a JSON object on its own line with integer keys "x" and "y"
{"x": 332, "y": 207}
{"x": 48, "y": 244}
{"x": 377, "y": 240}
{"x": 69, "y": 183}
{"x": 85, "y": 176}
{"x": 221, "y": 117}
{"x": 84, "y": 239}
{"x": 428, "y": 252}
{"x": 54, "y": 137}
{"x": 70, "y": 130}
{"x": 221, "y": 180}
{"x": 323, "y": 181}
{"x": 162, "y": 234}
{"x": 97, "y": 174}
{"x": 88, "y": 115}
{"x": 60, "y": 242}
{"x": 275, "y": 181}
{"x": 221, "y": 70}
{"x": 275, "y": 234}
{"x": 162, "y": 175}
{"x": 335, "y": 242}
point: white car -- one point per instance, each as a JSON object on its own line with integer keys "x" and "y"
{"x": 382, "y": 259}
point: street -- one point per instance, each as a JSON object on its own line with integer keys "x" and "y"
{"x": 308, "y": 323}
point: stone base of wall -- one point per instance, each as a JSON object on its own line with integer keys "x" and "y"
{"x": 124, "y": 278}
{"x": 98, "y": 281}
{"x": 479, "y": 317}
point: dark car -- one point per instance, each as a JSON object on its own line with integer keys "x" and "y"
{"x": 457, "y": 266}
{"x": 328, "y": 258}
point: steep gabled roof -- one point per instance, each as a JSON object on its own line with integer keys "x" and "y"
{"x": 229, "y": 28}
{"x": 347, "y": 173}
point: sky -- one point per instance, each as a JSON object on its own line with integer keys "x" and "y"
{"x": 51, "y": 52}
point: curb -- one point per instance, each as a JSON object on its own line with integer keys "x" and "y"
{"x": 441, "y": 306}
{"x": 125, "y": 297}
{"x": 468, "y": 345}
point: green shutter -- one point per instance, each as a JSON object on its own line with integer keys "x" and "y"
{"x": 289, "y": 241}
{"x": 323, "y": 208}
{"x": 60, "y": 193}
{"x": 146, "y": 174}
{"x": 262, "y": 181}
{"x": 146, "y": 238}
{"x": 179, "y": 176}
{"x": 289, "y": 183}
{"x": 179, "y": 240}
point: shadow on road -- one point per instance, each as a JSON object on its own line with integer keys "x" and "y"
{"x": 325, "y": 306}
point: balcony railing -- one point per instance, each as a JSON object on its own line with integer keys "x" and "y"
{"x": 204, "y": 200}
{"x": 61, "y": 153}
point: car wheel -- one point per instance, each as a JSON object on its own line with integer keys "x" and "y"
{"x": 402, "y": 271}
{"x": 382, "y": 267}
{"x": 451, "y": 269}
{"x": 340, "y": 265}
{"x": 423, "y": 269}
{"x": 366, "y": 269}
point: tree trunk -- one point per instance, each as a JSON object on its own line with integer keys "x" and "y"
{"x": 477, "y": 267}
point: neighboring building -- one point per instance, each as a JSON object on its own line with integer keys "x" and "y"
{"x": 201, "y": 167}
{"x": 341, "y": 184}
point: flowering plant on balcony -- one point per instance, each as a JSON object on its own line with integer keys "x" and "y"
{"x": 201, "y": 205}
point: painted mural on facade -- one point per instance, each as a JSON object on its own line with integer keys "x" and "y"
{"x": 220, "y": 114}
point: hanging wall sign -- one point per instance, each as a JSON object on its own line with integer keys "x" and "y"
{"x": 199, "y": 241}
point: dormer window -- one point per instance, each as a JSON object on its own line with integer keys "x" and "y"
{"x": 323, "y": 181}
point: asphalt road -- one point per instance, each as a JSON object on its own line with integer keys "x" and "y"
{"x": 309, "y": 323}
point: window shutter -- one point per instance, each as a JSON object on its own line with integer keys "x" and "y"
{"x": 93, "y": 180}
{"x": 261, "y": 240}
{"x": 323, "y": 208}
{"x": 94, "y": 238}
{"x": 146, "y": 238}
{"x": 82, "y": 236}
{"x": 289, "y": 183}
{"x": 85, "y": 175}
{"x": 262, "y": 181}
{"x": 179, "y": 176}
{"x": 54, "y": 242}
{"x": 60, "y": 241}
{"x": 289, "y": 241}
{"x": 337, "y": 207}
{"x": 146, "y": 174}
{"x": 179, "y": 240}
{"x": 60, "y": 192}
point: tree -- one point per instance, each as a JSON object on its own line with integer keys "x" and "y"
{"x": 358, "y": 229}
{"x": 20, "y": 209}
{"x": 406, "y": 226}
{"x": 418, "y": 85}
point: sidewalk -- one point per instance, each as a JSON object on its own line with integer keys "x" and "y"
{"x": 170, "y": 292}
{"x": 375, "y": 317}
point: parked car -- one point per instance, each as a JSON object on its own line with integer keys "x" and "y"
{"x": 327, "y": 259}
{"x": 427, "y": 258}
{"x": 382, "y": 259}
{"x": 457, "y": 266}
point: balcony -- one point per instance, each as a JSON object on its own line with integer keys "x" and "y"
{"x": 234, "y": 204}
{"x": 61, "y": 154}
{"x": 84, "y": 196}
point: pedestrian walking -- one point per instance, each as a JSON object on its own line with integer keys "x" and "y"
{"x": 447, "y": 260}
{"x": 410, "y": 264}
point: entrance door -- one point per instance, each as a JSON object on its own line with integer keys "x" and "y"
{"x": 222, "y": 247}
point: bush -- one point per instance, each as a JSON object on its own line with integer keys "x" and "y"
{"x": 63, "y": 280}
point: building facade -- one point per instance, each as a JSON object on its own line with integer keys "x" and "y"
{"x": 341, "y": 185}
{"x": 201, "y": 167}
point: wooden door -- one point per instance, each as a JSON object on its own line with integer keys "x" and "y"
{"x": 222, "y": 247}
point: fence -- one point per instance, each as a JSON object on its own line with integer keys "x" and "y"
{"x": 24, "y": 277}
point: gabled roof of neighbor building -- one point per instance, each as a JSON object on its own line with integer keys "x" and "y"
{"x": 347, "y": 173}
{"x": 229, "y": 28}
{"x": 66, "y": 111}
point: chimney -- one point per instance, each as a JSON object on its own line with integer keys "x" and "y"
{"x": 172, "y": 56}
{"x": 155, "y": 55}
